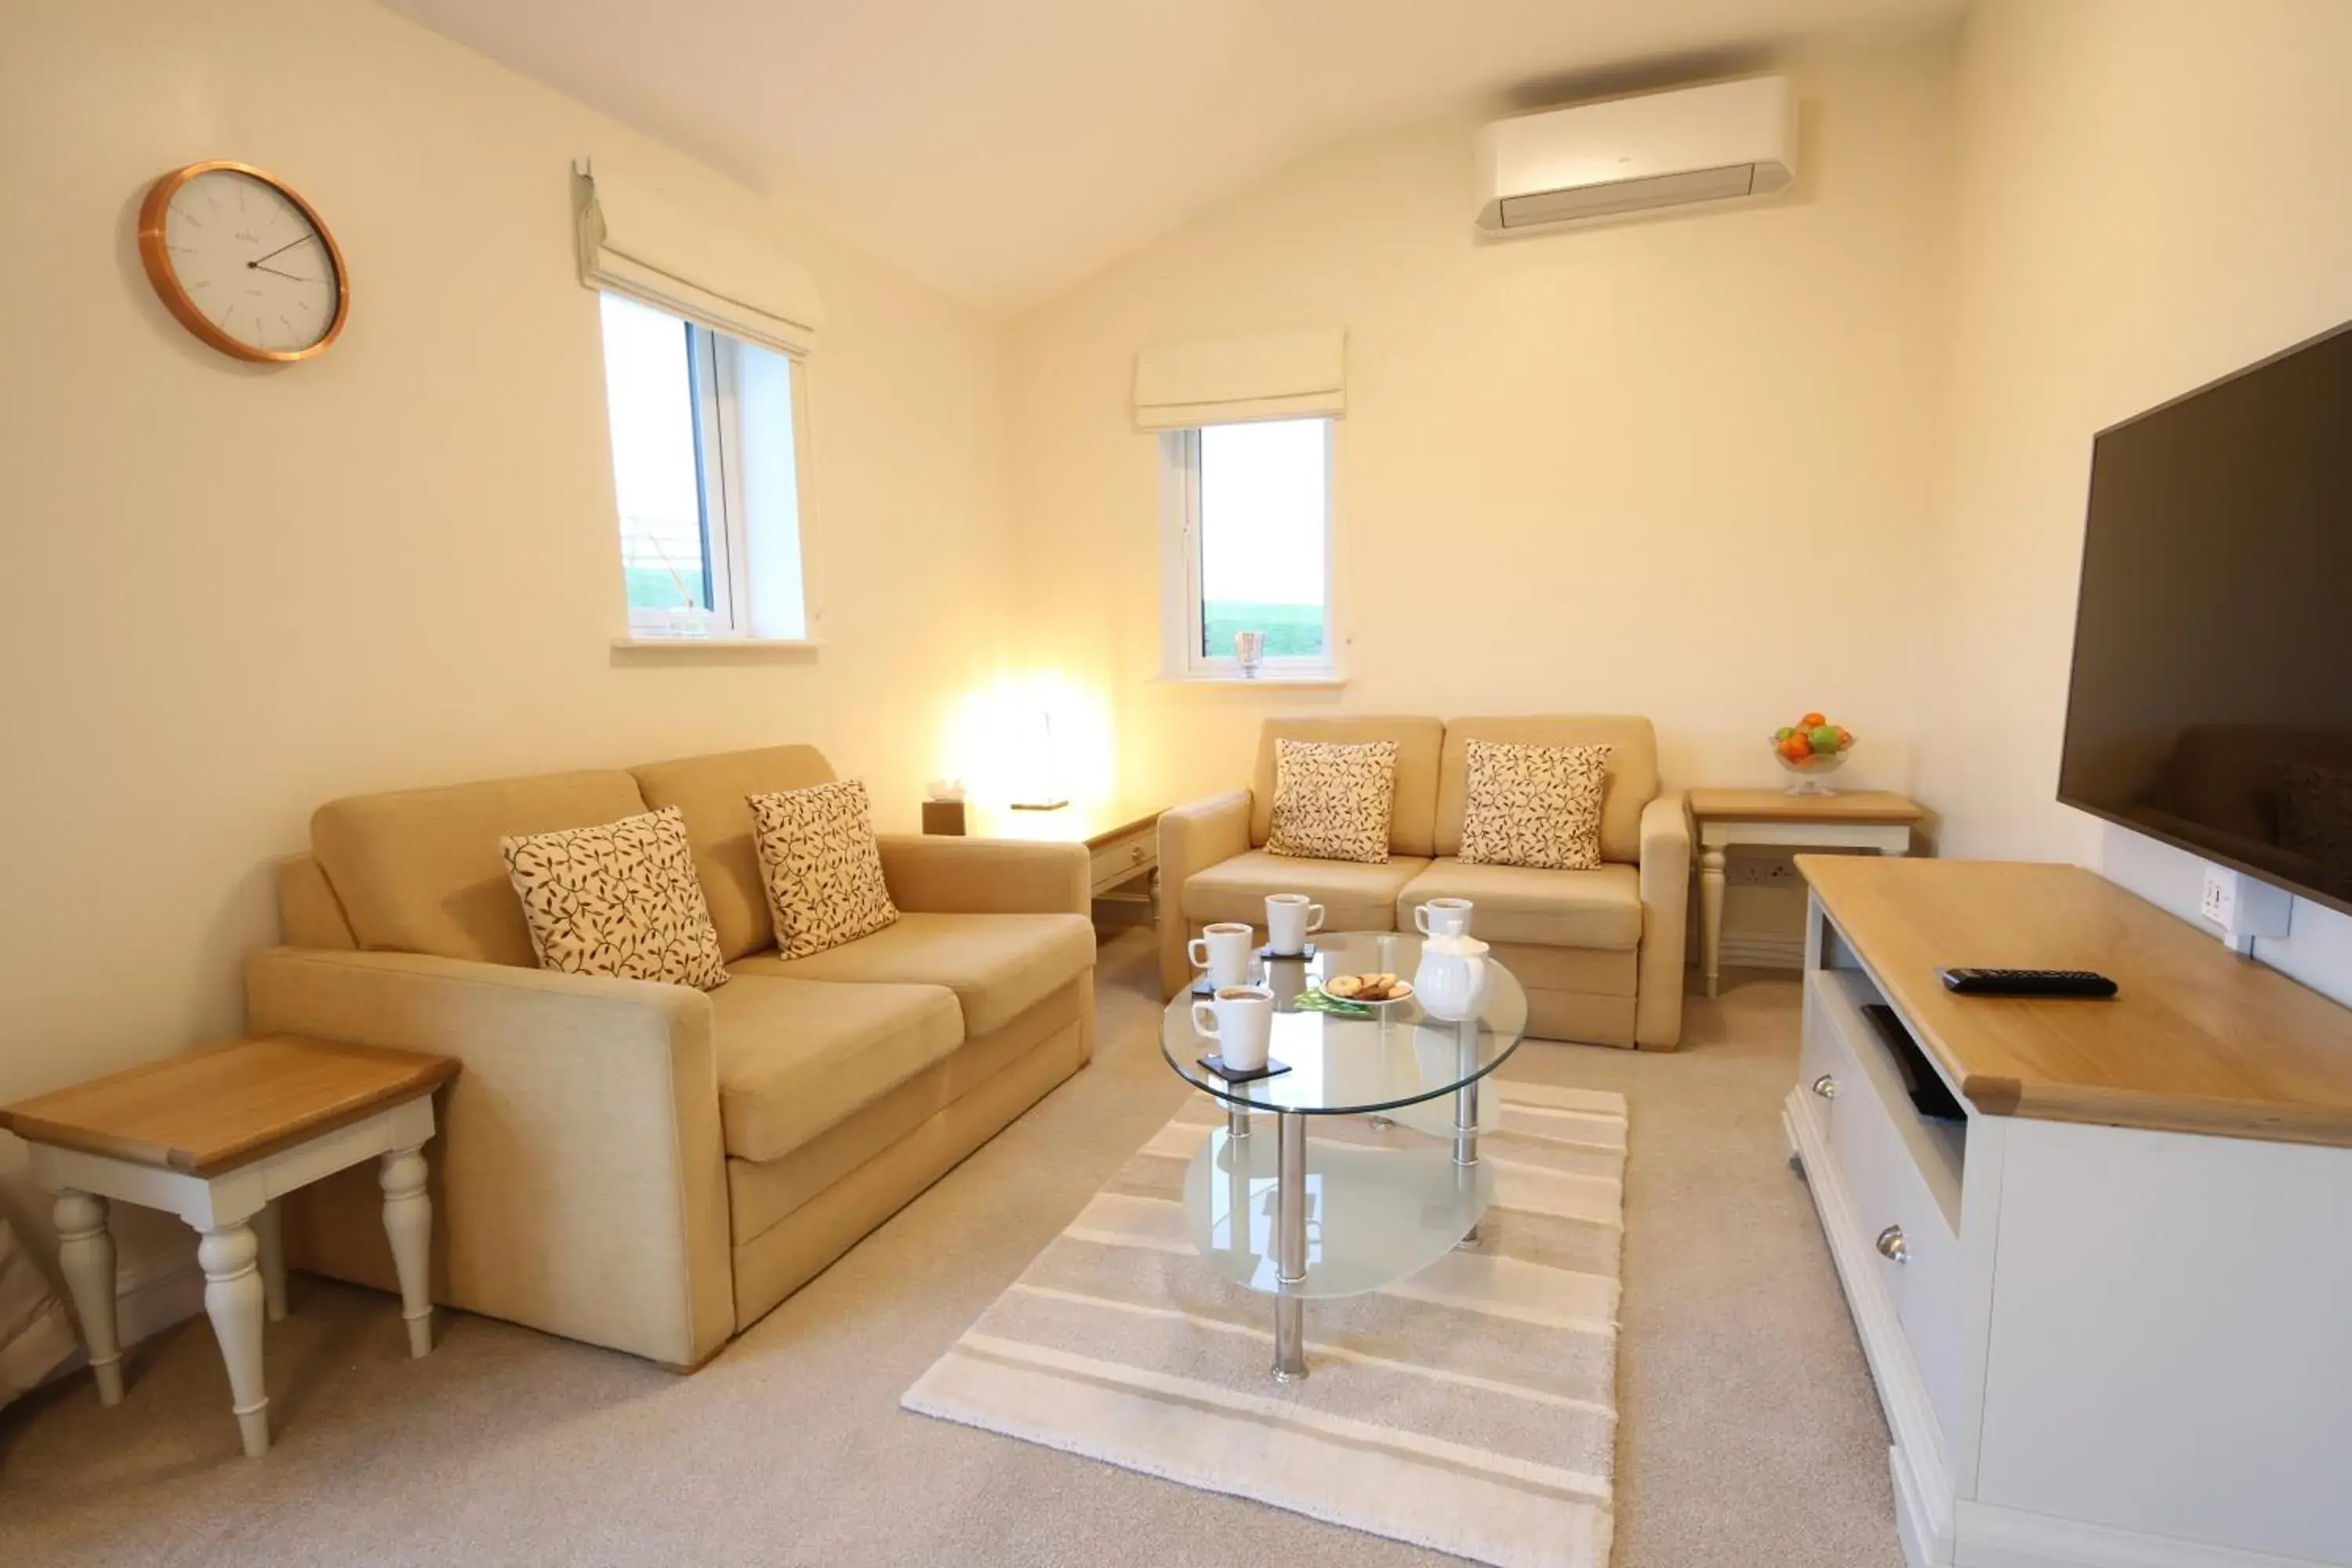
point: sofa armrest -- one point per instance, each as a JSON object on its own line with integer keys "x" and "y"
{"x": 582, "y": 1176}
{"x": 1192, "y": 838}
{"x": 1666, "y": 916}
{"x": 951, "y": 875}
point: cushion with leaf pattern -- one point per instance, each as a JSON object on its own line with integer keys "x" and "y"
{"x": 621, "y": 900}
{"x": 1534, "y": 805}
{"x": 1332, "y": 801}
{"x": 822, "y": 866}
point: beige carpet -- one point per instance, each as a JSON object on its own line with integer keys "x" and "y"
{"x": 1750, "y": 1432}
{"x": 1470, "y": 1407}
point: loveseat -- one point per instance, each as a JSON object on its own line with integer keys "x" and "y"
{"x": 1599, "y": 952}
{"x": 651, "y": 1167}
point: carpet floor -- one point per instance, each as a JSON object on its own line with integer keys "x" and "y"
{"x": 1749, "y": 1433}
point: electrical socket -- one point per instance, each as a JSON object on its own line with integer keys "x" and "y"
{"x": 1766, "y": 871}
{"x": 2219, "y": 895}
{"x": 2243, "y": 907}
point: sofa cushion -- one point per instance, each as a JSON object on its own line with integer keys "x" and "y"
{"x": 1633, "y": 772}
{"x": 1600, "y": 909}
{"x": 419, "y": 870}
{"x": 1355, "y": 896}
{"x": 1332, "y": 802}
{"x": 1412, "y": 810}
{"x": 796, "y": 1057}
{"x": 998, "y": 965}
{"x": 1534, "y": 805}
{"x": 619, "y": 899}
{"x": 824, "y": 872}
{"x": 713, "y": 792}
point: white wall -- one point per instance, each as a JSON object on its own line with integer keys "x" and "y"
{"x": 2148, "y": 195}
{"x": 1680, "y": 468}
{"x": 234, "y": 593}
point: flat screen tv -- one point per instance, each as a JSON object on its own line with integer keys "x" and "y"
{"x": 2211, "y": 701}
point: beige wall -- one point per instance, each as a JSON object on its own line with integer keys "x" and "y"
{"x": 232, "y": 594}
{"x": 2149, "y": 195}
{"x": 1679, "y": 468}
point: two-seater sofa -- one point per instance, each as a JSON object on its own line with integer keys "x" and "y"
{"x": 1599, "y": 952}
{"x": 652, "y": 1167}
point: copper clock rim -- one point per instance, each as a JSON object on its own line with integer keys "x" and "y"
{"x": 154, "y": 256}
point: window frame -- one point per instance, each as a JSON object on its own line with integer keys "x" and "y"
{"x": 714, "y": 379}
{"x": 1182, "y": 628}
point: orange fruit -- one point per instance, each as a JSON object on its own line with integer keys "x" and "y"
{"x": 1811, "y": 720}
{"x": 1796, "y": 748}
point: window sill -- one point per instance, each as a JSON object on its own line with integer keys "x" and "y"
{"x": 730, "y": 644}
{"x": 1275, "y": 683}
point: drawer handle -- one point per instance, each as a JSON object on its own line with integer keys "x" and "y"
{"x": 1891, "y": 1246}
{"x": 1826, "y": 1087}
{"x": 1135, "y": 852}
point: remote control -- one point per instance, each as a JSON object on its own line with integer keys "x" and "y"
{"x": 2026, "y": 982}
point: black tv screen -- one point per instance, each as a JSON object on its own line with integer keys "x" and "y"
{"x": 2211, "y": 701}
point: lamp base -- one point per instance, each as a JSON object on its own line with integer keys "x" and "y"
{"x": 1039, "y": 804}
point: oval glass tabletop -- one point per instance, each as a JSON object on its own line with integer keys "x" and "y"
{"x": 1350, "y": 1065}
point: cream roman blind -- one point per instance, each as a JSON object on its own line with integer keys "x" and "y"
{"x": 1224, "y": 380}
{"x": 633, "y": 242}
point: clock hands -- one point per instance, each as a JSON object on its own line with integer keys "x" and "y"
{"x": 275, "y": 273}
{"x": 290, "y": 244}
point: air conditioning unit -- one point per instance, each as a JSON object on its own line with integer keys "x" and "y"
{"x": 1602, "y": 161}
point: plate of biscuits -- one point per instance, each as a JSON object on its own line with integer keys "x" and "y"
{"x": 1356, "y": 994}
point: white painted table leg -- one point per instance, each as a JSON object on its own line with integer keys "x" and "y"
{"x": 233, "y": 1300}
{"x": 273, "y": 1261}
{"x": 86, "y": 1254}
{"x": 408, "y": 1221}
{"x": 1710, "y": 913}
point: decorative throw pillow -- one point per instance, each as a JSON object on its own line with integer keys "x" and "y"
{"x": 621, "y": 900}
{"x": 822, "y": 868}
{"x": 1332, "y": 801}
{"x": 1534, "y": 805}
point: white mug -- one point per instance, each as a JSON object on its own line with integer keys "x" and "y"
{"x": 1289, "y": 919}
{"x": 1223, "y": 949}
{"x": 1442, "y": 917}
{"x": 1240, "y": 1020}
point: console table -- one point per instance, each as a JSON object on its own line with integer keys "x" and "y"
{"x": 1859, "y": 819}
{"x": 1122, "y": 837}
{"x": 2105, "y": 1307}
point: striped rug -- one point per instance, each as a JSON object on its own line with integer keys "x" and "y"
{"x": 1471, "y": 1408}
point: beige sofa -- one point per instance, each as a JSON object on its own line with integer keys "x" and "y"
{"x": 647, "y": 1166}
{"x": 1599, "y": 952}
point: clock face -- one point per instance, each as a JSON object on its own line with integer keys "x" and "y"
{"x": 234, "y": 252}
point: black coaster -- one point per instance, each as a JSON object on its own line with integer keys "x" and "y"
{"x": 1271, "y": 956}
{"x": 1233, "y": 1075}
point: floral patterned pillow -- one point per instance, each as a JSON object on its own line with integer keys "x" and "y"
{"x": 1534, "y": 805}
{"x": 822, "y": 868}
{"x": 620, "y": 900}
{"x": 1332, "y": 801}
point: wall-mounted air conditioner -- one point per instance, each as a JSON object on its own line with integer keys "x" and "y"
{"x": 1601, "y": 161}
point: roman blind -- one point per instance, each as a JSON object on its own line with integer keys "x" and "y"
{"x": 633, "y": 242}
{"x": 1224, "y": 380}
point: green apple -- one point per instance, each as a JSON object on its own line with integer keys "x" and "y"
{"x": 1824, "y": 738}
{"x": 1783, "y": 732}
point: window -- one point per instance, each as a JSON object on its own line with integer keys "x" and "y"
{"x": 706, "y": 471}
{"x": 1249, "y": 529}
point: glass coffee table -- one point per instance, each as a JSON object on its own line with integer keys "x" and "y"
{"x": 1294, "y": 1222}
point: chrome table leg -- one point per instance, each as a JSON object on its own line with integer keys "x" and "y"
{"x": 1290, "y": 1248}
{"x": 1465, "y": 1116}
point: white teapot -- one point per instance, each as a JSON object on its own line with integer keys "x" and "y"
{"x": 1451, "y": 979}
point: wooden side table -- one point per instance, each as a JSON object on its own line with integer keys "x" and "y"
{"x": 217, "y": 1135}
{"x": 1863, "y": 819}
{"x": 1122, "y": 838}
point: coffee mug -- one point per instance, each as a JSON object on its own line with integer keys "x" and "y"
{"x": 1442, "y": 917}
{"x": 1289, "y": 919}
{"x": 1240, "y": 1020}
{"x": 1223, "y": 949}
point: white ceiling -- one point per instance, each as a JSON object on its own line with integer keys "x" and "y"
{"x": 1004, "y": 150}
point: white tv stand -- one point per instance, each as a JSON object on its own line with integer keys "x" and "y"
{"x": 2109, "y": 1312}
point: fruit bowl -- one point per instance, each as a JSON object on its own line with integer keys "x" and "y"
{"x": 1809, "y": 751}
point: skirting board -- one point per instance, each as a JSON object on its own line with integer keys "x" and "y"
{"x": 149, "y": 1298}
{"x": 2006, "y": 1538}
{"x": 1756, "y": 949}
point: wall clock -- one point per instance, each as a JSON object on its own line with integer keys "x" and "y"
{"x": 243, "y": 262}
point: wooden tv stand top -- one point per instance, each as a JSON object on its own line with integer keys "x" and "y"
{"x": 2198, "y": 1040}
